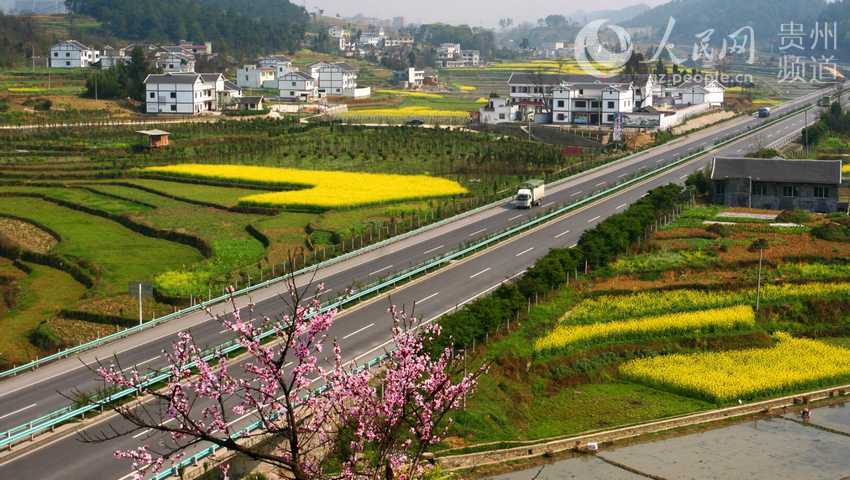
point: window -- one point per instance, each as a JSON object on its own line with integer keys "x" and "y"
{"x": 594, "y": 104}
{"x": 67, "y": 54}
{"x": 821, "y": 192}
{"x": 174, "y": 108}
{"x": 67, "y": 64}
{"x": 610, "y": 104}
{"x": 173, "y": 95}
{"x": 581, "y": 91}
{"x": 153, "y": 94}
{"x": 293, "y": 84}
{"x": 501, "y": 116}
{"x": 760, "y": 189}
{"x": 720, "y": 188}
{"x": 581, "y": 104}
{"x": 610, "y": 117}
{"x": 789, "y": 191}
{"x": 291, "y": 93}
{"x": 561, "y": 117}
{"x": 55, "y": 54}
{"x": 561, "y": 103}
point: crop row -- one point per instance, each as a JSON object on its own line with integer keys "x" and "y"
{"x": 705, "y": 321}
{"x": 791, "y": 364}
{"x": 608, "y": 308}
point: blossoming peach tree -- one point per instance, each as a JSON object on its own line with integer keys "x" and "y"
{"x": 363, "y": 423}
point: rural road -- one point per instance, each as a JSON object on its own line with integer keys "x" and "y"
{"x": 365, "y": 329}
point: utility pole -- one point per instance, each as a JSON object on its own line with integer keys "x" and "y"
{"x": 758, "y": 285}
{"x": 140, "y": 304}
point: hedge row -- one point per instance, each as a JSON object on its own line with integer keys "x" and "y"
{"x": 200, "y": 203}
{"x": 17, "y": 254}
{"x": 202, "y": 246}
{"x": 97, "y": 318}
{"x": 599, "y": 245}
{"x": 258, "y": 235}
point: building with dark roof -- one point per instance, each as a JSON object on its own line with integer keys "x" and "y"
{"x": 183, "y": 93}
{"x": 777, "y": 184}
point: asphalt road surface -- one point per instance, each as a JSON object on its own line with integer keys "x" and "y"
{"x": 364, "y": 330}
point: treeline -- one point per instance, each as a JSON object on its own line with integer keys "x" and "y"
{"x": 232, "y": 26}
{"x": 18, "y": 36}
{"x": 596, "y": 247}
{"x": 468, "y": 37}
{"x": 727, "y": 16}
{"x": 122, "y": 81}
{"x": 834, "y": 120}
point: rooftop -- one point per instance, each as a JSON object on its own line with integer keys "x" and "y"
{"x": 827, "y": 172}
{"x": 153, "y": 133}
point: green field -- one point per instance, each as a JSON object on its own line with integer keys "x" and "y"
{"x": 122, "y": 224}
{"x": 530, "y": 394}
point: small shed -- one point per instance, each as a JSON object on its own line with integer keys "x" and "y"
{"x": 251, "y": 103}
{"x": 156, "y": 138}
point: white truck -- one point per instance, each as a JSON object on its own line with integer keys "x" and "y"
{"x": 530, "y": 194}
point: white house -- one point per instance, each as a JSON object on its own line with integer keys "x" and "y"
{"x": 695, "y": 93}
{"x": 471, "y": 58}
{"x": 183, "y": 93}
{"x": 593, "y": 103}
{"x": 297, "y": 86}
{"x": 72, "y": 54}
{"x": 110, "y": 57}
{"x": 498, "y": 110}
{"x": 415, "y": 78}
{"x": 337, "y": 80}
{"x": 450, "y": 55}
{"x": 229, "y": 95}
{"x": 175, "y": 61}
{"x": 336, "y": 31}
{"x": 252, "y": 76}
{"x": 281, "y": 64}
{"x": 372, "y": 38}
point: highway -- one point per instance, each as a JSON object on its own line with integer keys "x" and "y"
{"x": 364, "y": 330}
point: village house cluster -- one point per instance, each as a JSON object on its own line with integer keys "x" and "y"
{"x": 179, "y": 89}
{"x": 627, "y": 101}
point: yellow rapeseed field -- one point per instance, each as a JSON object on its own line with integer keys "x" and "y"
{"x": 792, "y": 364}
{"x": 846, "y": 169}
{"x": 322, "y": 189}
{"x": 465, "y": 88}
{"x": 405, "y": 112}
{"x": 618, "y": 307}
{"x": 729, "y": 318}
{"x": 410, "y": 93}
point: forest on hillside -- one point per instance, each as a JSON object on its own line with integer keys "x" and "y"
{"x": 233, "y": 26}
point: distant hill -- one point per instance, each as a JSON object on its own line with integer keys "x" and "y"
{"x": 726, "y": 16}
{"x": 238, "y": 26}
{"x": 614, "y": 16}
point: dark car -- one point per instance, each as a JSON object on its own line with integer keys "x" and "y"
{"x": 415, "y": 122}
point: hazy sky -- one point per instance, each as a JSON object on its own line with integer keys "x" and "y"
{"x": 475, "y": 12}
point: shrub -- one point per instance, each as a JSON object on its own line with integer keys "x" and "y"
{"x": 44, "y": 337}
{"x": 39, "y": 104}
{"x": 794, "y": 216}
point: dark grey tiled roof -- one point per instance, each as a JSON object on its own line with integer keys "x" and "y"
{"x": 557, "y": 79}
{"x": 182, "y": 78}
{"x": 778, "y": 170}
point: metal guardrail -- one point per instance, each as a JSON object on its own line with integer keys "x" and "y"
{"x": 49, "y": 421}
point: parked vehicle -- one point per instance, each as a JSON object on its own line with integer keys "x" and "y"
{"x": 530, "y": 194}
{"x": 764, "y": 112}
{"x": 415, "y": 122}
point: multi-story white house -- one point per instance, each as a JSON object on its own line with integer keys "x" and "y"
{"x": 298, "y": 86}
{"x": 183, "y": 93}
{"x": 176, "y": 61}
{"x": 498, "y": 110}
{"x": 471, "y": 58}
{"x": 336, "y": 31}
{"x": 337, "y": 80}
{"x": 281, "y": 64}
{"x": 415, "y": 78}
{"x": 229, "y": 95}
{"x": 593, "y": 103}
{"x": 72, "y": 54}
{"x": 111, "y": 57}
{"x": 372, "y": 38}
{"x": 451, "y": 55}
{"x": 252, "y": 76}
